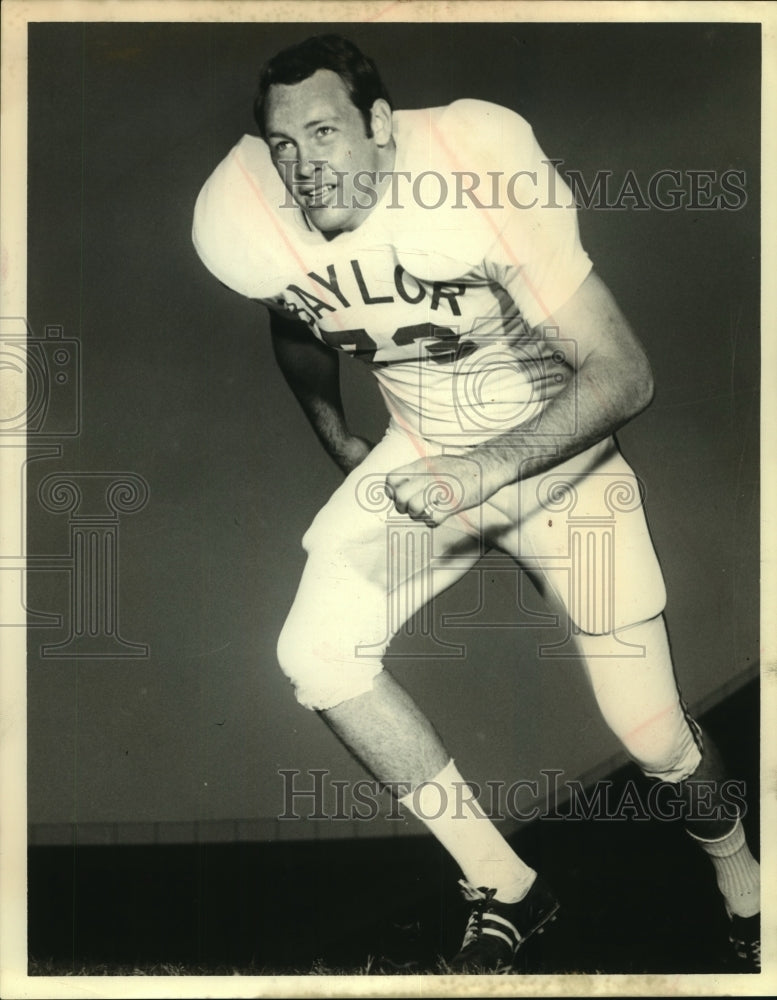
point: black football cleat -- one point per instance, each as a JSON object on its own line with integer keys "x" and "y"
{"x": 495, "y": 931}
{"x": 745, "y": 936}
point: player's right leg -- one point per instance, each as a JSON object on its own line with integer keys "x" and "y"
{"x": 368, "y": 571}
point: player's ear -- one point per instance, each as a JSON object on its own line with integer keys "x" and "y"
{"x": 380, "y": 122}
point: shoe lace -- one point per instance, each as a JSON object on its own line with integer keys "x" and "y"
{"x": 480, "y": 898}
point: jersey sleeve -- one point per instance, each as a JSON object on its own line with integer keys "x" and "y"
{"x": 536, "y": 255}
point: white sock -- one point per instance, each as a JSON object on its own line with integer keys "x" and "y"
{"x": 737, "y": 871}
{"x": 448, "y": 808}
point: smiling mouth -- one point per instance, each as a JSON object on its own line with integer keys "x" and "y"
{"x": 317, "y": 197}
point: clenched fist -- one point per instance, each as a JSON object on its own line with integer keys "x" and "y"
{"x": 431, "y": 489}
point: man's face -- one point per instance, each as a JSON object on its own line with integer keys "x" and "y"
{"x": 319, "y": 144}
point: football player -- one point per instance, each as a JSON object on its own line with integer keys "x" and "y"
{"x": 441, "y": 248}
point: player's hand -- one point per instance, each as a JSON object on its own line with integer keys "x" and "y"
{"x": 432, "y": 489}
{"x": 352, "y": 452}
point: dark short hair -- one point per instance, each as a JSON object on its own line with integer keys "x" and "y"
{"x": 298, "y": 62}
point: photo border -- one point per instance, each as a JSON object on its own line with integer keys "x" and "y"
{"x": 16, "y": 15}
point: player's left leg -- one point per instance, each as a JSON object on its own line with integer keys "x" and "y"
{"x": 640, "y": 702}
{"x": 581, "y": 531}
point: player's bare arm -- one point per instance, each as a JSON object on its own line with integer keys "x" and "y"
{"x": 611, "y": 383}
{"x": 313, "y": 374}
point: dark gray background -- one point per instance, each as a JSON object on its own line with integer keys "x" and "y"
{"x": 179, "y": 386}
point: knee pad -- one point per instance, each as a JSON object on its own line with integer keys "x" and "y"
{"x": 323, "y": 671}
{"x": 681, "y": 760}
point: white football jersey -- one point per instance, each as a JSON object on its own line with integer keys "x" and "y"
{"x": 472, "y": 246}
